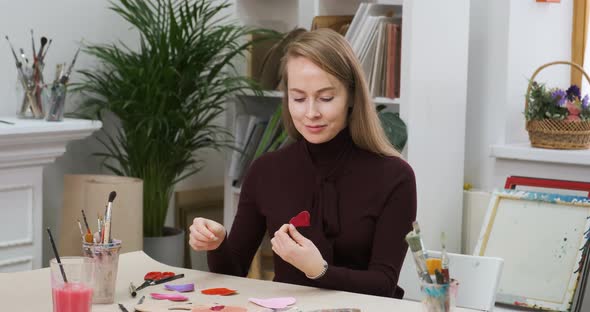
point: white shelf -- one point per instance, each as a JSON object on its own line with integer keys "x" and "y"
{"x": 391, "y": 2}
{"x": 524, "y": 151}
{"x": 36, "y": 126}
{"x": 378, "y": 100}
{"x": 28, "y": 142}
{"x": 386, "y": 101}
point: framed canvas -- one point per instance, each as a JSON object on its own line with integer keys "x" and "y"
{"x": 547, "y": 184}
{"x": 540, "y": 236}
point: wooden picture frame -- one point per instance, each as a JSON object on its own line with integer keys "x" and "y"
{"x": 541, "y": 237}
{"x": 513, "y": 181}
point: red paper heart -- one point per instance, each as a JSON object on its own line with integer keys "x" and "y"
{"x": 218, "y": 291}
{"x": 303, "y": 219}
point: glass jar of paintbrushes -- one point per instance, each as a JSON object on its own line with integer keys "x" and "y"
{"x": 56, "y": 100}
{"x": 36, "y": 99}
{"x": 438, "y": 289}
{"x": 30, "y": 83}
{"x": 105, "y": 251}
{"x": 30, "y": 92}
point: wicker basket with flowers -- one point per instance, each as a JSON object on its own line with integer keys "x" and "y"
{"x": 557, "y": 118}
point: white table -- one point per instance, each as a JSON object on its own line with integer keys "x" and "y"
{"x": 31, "y": 291}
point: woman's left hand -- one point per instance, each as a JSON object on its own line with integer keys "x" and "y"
{"x": 297, "y": 250}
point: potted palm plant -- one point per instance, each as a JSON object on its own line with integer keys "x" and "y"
{"x": 166, "y": 95}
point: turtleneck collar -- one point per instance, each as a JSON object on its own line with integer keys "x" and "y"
{"x": 330, "y": 151}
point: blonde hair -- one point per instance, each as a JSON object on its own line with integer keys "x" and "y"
{"x": 331, "y": 52}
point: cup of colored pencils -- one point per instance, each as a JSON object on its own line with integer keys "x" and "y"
{"x": 105, "y": 251}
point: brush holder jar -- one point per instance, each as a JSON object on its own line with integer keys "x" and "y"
{"x": 106, "y": 263}
{"x": 30, "y": 96}
{"x": 56, "y": 102}
{"x": 439, "y": 297}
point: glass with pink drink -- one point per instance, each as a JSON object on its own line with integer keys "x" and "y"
{"x": 75, "y": 295}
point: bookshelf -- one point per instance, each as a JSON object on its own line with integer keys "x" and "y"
{"x": 432, "y": 102}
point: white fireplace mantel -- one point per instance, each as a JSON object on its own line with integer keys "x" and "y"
{"x": 37, "y": 142}
{"x": 25, "y": 147}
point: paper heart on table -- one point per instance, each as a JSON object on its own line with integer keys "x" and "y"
{"x": 303, "y": 219}
{"x": 180, "y": 288}
{"x": 171, "y": 297}
{"x": 274, "y": 303}
{"x": 218, "y": 291}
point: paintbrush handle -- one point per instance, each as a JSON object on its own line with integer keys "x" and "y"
{"x": 107, "y": 231}
{"x": 72, "y": 64}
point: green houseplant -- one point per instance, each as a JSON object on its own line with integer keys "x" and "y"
{"x": 166, "y": 94}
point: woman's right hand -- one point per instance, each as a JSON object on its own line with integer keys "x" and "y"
{"x": 206, "y": 234}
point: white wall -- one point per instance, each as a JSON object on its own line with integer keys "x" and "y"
{"x": 433, "y": 105}
{"x": 509, "y": 40}
{"x": 68, "y": 22}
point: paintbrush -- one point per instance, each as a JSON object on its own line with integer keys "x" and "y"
{"x": 415, "y": 243}
{"x": 80, "y": 227}
{"x": 61, "y": 268}
{"x": 46, "y": 49}
{"x": 38, "y": 64}
{"x": 88, "y": 237}
{"x": 66, "y": 77}
{"x": 33, "y": 46}
{"x": 40, "y": 53}
{"x": 416, "y": 227}
{"x": 19, "y": 65}
{"x": 444, "y": 258}
{"x": 107, "y": 223}
{"x": 97, "y": 239}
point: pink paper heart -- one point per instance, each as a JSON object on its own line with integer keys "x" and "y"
{"x": 171, "y": 297}
{"x": 274, "y": 303}
{"x": 180, "y": 288}
{"x": 303, "y": 219}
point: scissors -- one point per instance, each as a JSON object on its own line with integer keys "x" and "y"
{"x": 154, "y": 278}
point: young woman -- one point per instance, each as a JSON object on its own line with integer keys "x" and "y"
{"x": 341, "y": 169}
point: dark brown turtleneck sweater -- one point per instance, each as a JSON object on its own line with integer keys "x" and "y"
{"x": 362, "y": 205}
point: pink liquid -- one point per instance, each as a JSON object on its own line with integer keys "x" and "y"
{"x": 72, "y": 297}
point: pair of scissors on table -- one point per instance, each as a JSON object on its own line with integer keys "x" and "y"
{"x": 154, "y": 278}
